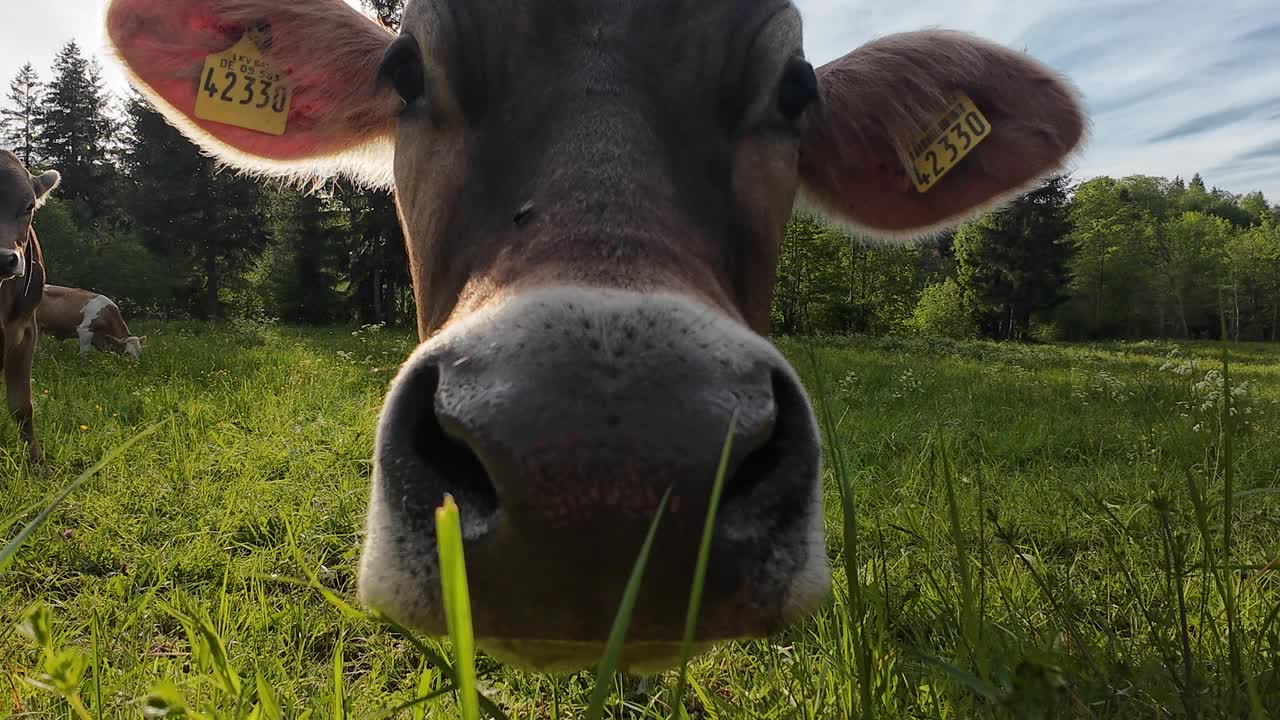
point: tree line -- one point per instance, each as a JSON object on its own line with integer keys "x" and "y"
{"x": 147, "y": 219}
{"x": 1128, "y": 258}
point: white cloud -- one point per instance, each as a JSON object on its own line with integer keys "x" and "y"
{"x": 1173, "y": 86}
{"x": 34, "y": 31}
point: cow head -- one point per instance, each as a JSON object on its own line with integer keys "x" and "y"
{"x": 21, "y": 195}
{"x": 593, "y": 196}
{"x": 133, "y": 347}
{"x": 130, "y": 346}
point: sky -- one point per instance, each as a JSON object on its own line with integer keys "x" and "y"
{"x": 1173, "y": 87}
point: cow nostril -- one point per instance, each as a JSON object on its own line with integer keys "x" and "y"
{"x": 767, "y": 459}
{"x": 449, "y": 457}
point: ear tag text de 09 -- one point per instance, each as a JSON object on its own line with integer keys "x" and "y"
{"x": 953, "y": 134}
{"x": 240, "y": 87}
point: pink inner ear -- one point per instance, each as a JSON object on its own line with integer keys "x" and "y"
{"x": 896, "y": 84}
{"x": 861, "y": 177}
{"x": 892, "y": 176}
{"x": 873, "y": 189}
{"x": 204, "y": 21}
{"x": 334, "y": 105}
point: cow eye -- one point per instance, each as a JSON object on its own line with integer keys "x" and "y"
{"x": 402, "y": 67}
{"x": 798, "y": 89}
{"x": 30, "y": 209}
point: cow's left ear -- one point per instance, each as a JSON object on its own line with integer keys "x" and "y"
{"x": 44, "y": 183}
{"x": 885, "y": 104}
{"x": 337, "y": 117}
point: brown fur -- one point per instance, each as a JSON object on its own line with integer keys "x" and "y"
{"x": 20, "y": 296}
{"x": 637, "y": 215}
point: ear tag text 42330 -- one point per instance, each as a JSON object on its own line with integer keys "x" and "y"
{"x": 953, "y": 134}
{"x": 240, "y": 87}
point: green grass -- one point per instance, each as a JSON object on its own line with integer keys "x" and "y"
{"x": 1041, "y": 532}
{"x": 457, "y": 605}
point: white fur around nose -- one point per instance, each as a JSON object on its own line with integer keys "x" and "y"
{"x": 398, "y": 573}
{"x": 573, "y": 334}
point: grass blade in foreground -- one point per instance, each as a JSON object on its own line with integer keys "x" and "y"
{"x": 12, "y": 520}
{"x": 613, "y": 648}
{"x": 339, "y": 688}
{"x": 700, "y": 571}
{"x": 11, "y": 548}
{"x": 857, "y": 611}
{"x": 457, "y": 605}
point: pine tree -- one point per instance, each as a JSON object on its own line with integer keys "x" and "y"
{"x": 389, "y": 12}
{"x": 1012, "y": 263}
{"x": 205, "y": 223}
{"x": 75, "y": 129}
{"x": 19, "y": 122}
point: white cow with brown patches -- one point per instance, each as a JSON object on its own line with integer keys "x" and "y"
{"x": 92, "y": 318}
{"x": 593, "y": 194}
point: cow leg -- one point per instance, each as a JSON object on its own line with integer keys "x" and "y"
{"x": 19, "y": 347}
{"x": 86, "y": 342}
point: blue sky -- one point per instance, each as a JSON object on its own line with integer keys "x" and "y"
{"x": 1173, "y": 87}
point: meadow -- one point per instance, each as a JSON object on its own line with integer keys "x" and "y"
{"x": 1018, "y": 531}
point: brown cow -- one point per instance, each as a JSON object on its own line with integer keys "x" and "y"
{"x": 21, "y": 286}
{"x": 593, "y": 195}
{"x": 91, "y": 317}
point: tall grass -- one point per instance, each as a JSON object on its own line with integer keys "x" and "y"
{"x": 1017, "y": 532}
{"x": 857, "y": 606}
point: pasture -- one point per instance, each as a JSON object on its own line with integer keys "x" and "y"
{"x": 1039, "y": 534}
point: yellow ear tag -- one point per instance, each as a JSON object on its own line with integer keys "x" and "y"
{"x": 240, "y": 87}
{"x": 953, "y": 134}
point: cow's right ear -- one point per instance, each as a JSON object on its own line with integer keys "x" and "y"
{"x": 43, "y": 184}
{"x": 339, "y": 120}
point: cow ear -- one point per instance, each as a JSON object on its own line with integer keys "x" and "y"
{"x": 44, "y": 183}
{"x": 340, "y": 119}
{"x": 890, "y": 98}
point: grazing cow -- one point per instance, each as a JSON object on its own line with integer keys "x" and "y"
{"x": 91, "y": 317}
{"x": 593, "y": 195}
{"x": 21, "y": 286}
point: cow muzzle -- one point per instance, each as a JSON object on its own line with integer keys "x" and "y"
{"x": 11, "y": 265}
{"x": 558, "y": 420}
